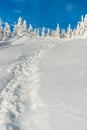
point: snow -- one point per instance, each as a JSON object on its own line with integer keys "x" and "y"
{"x": 64, "y": 85}
{"x": 43, "y": 84}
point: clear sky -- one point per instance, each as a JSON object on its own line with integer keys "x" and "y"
{"x": 43, "y": 12}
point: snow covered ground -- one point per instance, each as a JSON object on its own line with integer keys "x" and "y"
{"x": 43, "y": 84}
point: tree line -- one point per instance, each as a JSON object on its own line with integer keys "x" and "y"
{"x": 21, "y": 29}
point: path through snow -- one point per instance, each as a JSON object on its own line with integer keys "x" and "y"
{"x": 21, "y": 108}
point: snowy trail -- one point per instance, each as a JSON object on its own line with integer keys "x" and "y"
{"x": 20, "y": 105}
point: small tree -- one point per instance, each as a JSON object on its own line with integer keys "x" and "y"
{"x": 18, "y": 28}
{"x": 69, "y": 31}
{"x": 24, "y": 26}
{"x": 82, "y": 18}
{"x": 63, "y": 33}
{"x": 73, "y": 33}
{"x": 85, "y": 20}
{"x": 15, "y": 30}
{"x": 82, "y": 22}
{"x": 7, "y": 32}
{"x": 1, "y": 30}
{"x": 30, "y": 30}
{"x": 78, "y": 30}
{"x": 48, "y": 33}
{"x": 43, "y": 32}
{"x": 57, "y": 33}
{"x": 38, "y": 32}
{"x": 35, "y": 32}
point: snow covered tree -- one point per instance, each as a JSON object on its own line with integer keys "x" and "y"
{"x": 35, "y": 32}
{"x": 19, "y": 22}
{"x": 1, "y": 30}
{"x": 48, "y": 33}
{"x": 79, "y": 30}
{"x": 38, "y": 32}
{"x": 7, "y": 31}
{"x": 73, "y": 33}
{"x": 82, "y": 18}
{"x": 18, "y": 28}
{"x": 43, "y": 32}
{"x": 83, "y": 26}
{"x": 82, "y": 22}
{"x": 85, "y": 20}
{"x": 78, "y": 25}
{"x": 24, "y": 26}
{"x": 57, "y": 32}
{"x": 53, "y": 33}
{"x": 63, "y": 33}
{"x": 69, "y": 31}
{"x": 15, "y": 30}
{"x": 30, "y": 30}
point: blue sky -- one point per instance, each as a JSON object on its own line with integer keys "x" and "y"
{"x": 43, "y": 12}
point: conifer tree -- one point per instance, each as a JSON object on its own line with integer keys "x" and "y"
{"x": 18, "y": 28}
{"x": 1, "y": 30}
{"x": 30, "y": 30}
{"x": 78, "y": 30}
{"x": 35, "y": 32}
{"x": 24, "y": 26}
{"x": 63, "y": 33}
{"x": 7, "y": 31}
{"x": 43, "y": 32}
{"x": 85, "y": 20}
{"x": 48, "y": 33}
{"x": 69, "y": 31}
{"x": 38, "y": 32}
{"x": 82, "y": 18}
{"x": 57, "y": 33}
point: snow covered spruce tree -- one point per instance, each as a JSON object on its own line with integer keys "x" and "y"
{"x": 35, "y": 32}
{"x": 38, "y": 32}
{"x": 30, "y": 30}
{"x": 6, "y": 31}
{"x": 73, "y": 33}
{"x": 1, "y": 30}
{"x": 57, "y": 33}
{"x": 20, "y": 28}
{"x": 85, "y": 20}
{"x": 63, "y": 33}
{"x": 69, "y": 31}
{"x": 82, "y": 27}
{"x": 43, "y": 32}
{"x": 48, "y": 33}
{"x": 24, "y": 27}
{"x": 78, "y": 30}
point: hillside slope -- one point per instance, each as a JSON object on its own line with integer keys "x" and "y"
{"x": 64, "y": 85}
{"x": 43, "y": 84}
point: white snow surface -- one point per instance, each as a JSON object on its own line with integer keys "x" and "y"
{"x": 43, "y": 84}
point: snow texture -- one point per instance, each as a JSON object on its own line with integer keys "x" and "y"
{"x": 43, "y": 84}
